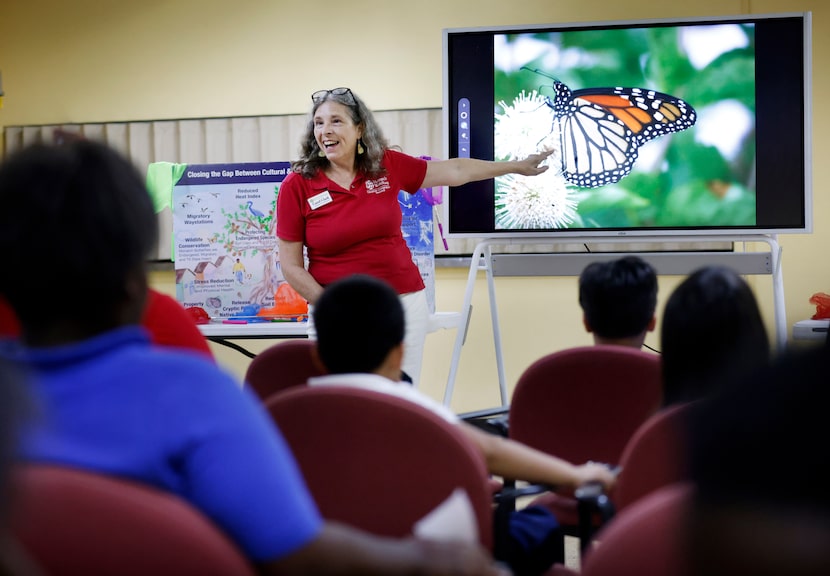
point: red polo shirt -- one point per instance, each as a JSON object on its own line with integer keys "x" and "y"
{"x": 355, "y": 231}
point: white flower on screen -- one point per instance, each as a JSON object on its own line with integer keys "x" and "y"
{"x": 545, "y": 201}
{"x": 525, "y": 127}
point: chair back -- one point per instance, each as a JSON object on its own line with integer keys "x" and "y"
{"x": 380, "y": 462}
{"x": 281, "y": 366}
{"x": 648, "y": 538}
{"x": 585, "y": 403}
{"x": 76, "y": 522}
{"x": 656, "y": 455}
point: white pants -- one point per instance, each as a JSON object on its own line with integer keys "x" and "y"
{"x": 416, "y": 313}
{"x": 416, "y": 309}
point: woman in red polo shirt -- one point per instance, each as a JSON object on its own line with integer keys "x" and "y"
{"x": 341, "y": 203}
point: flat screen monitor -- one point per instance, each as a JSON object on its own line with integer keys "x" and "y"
{"x": 673, "y": 127}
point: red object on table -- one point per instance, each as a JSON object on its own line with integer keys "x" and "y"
{"x": 822, "y": 303}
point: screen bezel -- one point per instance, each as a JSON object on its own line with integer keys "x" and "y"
{"x": 803, "y": 73}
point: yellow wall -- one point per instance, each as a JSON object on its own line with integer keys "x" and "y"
{"x": 97, "y": 61}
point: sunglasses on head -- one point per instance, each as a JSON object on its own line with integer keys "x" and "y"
{"x": 321, "y": 95}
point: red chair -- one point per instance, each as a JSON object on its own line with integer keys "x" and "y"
{"x": 283, "y": 365}
{"x": 380, "y": 462}
{"x": 655, "y": 456}
{"x": 648, "y": 538}
{"x": 584, "y": 404}
{"x": 70, "y": 521}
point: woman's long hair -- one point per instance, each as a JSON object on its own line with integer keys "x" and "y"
{"x": 373, "y": 140}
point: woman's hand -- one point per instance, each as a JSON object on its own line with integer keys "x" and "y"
{"x": 293, "y": 268}
{"x": 532, "y": 165}
{"x": 459, "y": 171}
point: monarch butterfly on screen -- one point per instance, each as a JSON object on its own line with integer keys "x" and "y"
{"x": 601, "y": 129}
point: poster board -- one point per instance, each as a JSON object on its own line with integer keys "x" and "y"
{"x": 417, "y": 228}
{"x": 224, "y": 235}
{"x": 224, "y": 241}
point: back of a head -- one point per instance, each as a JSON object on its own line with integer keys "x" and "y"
{"x": 762, "y": 505}
{"x": 77, "y": 221}
{"x": 618, "y": 297}
{"x": 358, "y": 319}
{"x": 712, "y": 333}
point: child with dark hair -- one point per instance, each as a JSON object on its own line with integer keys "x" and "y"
{"x": 76, "y": 228}
{"x": 712, "y": 334}
{"x": 360, "y": 341}
{"x": 618, "y": 300}
{"x": 757, "y": 460}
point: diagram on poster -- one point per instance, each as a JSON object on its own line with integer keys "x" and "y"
{"x": 224, "y": 244}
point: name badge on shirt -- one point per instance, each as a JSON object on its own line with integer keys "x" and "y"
{"x": 320, "y": 199}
